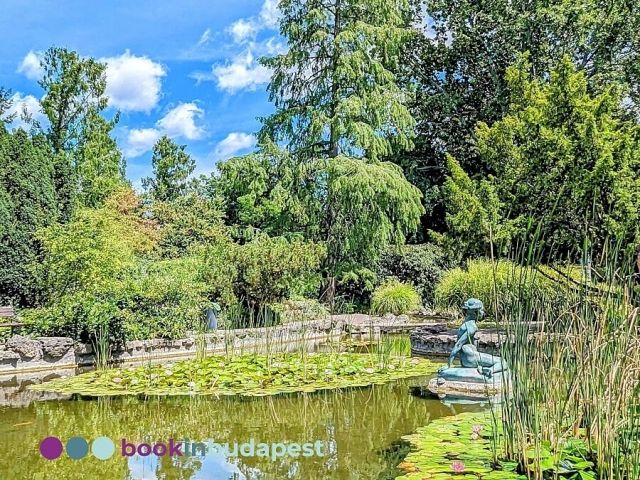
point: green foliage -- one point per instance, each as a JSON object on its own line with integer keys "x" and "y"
{"x": 27, "y": 203}
{"x": 88, "y": 263}
{"x": 395, "y": 297}
{"x": 171, "y": 169}
{"x": 358, "y": 227}
{"x": 248, "y": 375}
{"x": 271, "y": 268}
{"x": 334, "y": 88}
{"x": 457, "y": 68}
{"x": 421, "y": 265}
{"x": 74, "y": 97}
{"x": 559, "y": 138}
{"x": 473, "y": 216}
{"x": 269, "y": 192}
{"x": 501, "y": 283}
{"x": 299, "y": 309}
{"x": 100, "y": 166}
{"x": 187, "y": 222}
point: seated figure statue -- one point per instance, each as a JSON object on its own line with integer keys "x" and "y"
{"x": 476, "y": 366}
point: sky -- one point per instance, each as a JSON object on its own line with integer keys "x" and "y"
{"x": 187, "y": 68}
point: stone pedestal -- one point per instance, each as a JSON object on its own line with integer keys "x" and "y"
{"x": 467, "y": 384}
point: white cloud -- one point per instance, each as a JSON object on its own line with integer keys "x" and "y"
{"x": 242, "y": 30}
{"x": 25, "y": 103}
{"x": 179, "y": 122}
{"x": 205, "y": 37}
{"x": 243, "y": 73}
{"x": 269, "y": 14}
{"x": 141, "y": 140}
{"x": 234, "y": 143}
{"x": 30, "y": 66}
{"x": 133, "y": 83}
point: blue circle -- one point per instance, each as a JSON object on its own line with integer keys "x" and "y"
{"x": 103, "y": 448}
{"x": 77, "y": 448}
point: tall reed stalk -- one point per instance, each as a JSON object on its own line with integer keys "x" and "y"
{"x": 577, "y": 375}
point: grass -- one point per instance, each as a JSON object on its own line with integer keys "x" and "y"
{"x": 395, "y": 297}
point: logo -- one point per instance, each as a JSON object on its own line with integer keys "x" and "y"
{"x": 103, "y": 448}
{"x": 77, "y": 448}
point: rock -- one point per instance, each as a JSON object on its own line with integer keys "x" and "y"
{"x": 403, "y": 319}
{"x": 389, "y": 317}
{"x": 8, "y": 355}
{"x": 464, "y": 390}
{"x": 25, "y": 346}
{"x": 55, "y": 347}
{"x": 84, "y": 349}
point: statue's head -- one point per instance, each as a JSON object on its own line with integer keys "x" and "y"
{"x": 473, "y": 309}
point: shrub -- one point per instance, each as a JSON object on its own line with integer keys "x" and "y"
{"x": 502, "y": 283}
{"x": 299, "y": 309}
{"x": 395, "y": 297}
{"x": 420, "y": 265}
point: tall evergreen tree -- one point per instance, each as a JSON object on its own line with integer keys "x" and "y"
{"x": 27, "y": 203}
{"x": 171, "y": 169}
{"x": 458, "y": 66}
{"x": 100, "y": 166}
{"x": 335, "y": 89}
{"x": 339, "y": 111}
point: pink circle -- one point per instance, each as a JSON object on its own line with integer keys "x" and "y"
{"x": 51, "y": 448}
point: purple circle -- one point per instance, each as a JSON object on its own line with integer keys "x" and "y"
{"x": 51, "y": 448}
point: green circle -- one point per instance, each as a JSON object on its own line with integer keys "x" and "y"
{"x": 103, "y": 448}
{"x": 77, "y": 448}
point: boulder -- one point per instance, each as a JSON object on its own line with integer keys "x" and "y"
{"x": 9, "y": 355}
{"x": 26, "y": 347}
{"x": 55, "y": 347}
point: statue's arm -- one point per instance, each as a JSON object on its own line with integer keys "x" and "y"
{"x": 462, "y": 341}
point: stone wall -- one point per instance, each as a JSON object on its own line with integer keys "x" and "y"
{"x": 21, "y": 354}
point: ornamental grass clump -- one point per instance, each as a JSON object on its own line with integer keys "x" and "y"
{"x": 395, "y": 297}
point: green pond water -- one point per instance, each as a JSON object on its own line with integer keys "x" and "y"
{"x": 359, "y": 431}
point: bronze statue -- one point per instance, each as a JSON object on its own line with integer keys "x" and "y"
{"x": 475, "y": 366}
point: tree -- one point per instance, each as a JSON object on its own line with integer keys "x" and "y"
{"x": 74, "y": 97}
{"x": 458, "y": 66}
{"x": 27, "y": 203}
{"x": 334, "y": 89}
{"x": 74, "y": 90}
{"x": 100, "y": 165}
{"x": 339, "y": 110}
{"x": 171, "y": 169}
{"x": 559, "y": 138}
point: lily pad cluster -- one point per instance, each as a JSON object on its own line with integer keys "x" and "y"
{"x": 250, "y": 375}
{"x": 456, "y": 448}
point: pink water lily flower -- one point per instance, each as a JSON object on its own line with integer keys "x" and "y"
{"x": 457, "y": 466}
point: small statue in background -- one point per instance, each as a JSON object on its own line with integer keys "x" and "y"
{"x": 475, "y": 366}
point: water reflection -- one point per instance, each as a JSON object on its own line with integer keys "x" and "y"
{"x": 360, "y": 427}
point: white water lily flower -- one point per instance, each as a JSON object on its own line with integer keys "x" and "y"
{"x": 391, "y": 367}
{"x": 134, "y": 381}
{"x": 370, "y": 370}
{"x": 168, "y": 373}
{"x": 191, "y": 385}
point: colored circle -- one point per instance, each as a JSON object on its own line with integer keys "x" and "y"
{"x": 77, "y": 448}
{"x": 51, "y": 448}
{"x": 103, "y": 448}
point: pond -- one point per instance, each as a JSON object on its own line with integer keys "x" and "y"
{"x": 358, "y": 432}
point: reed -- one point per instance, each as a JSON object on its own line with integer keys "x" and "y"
{"x": 574, "y": 406}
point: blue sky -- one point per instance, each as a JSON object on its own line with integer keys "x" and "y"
{"x": 186, "y": 69}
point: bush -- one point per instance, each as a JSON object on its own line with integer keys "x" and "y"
{"x": 395, "y": 297}
{"x": 421, "y": 265}
{"x": 502, "y": 283}
{"x": 299, "y": 310}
